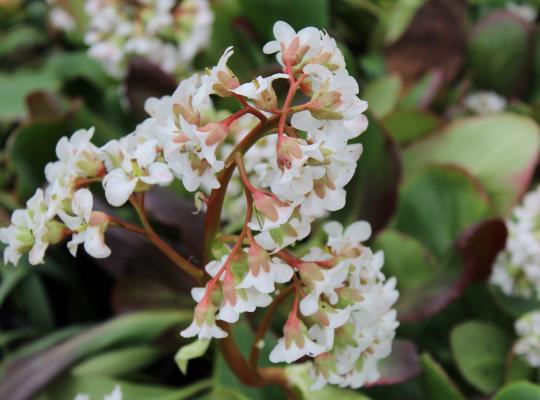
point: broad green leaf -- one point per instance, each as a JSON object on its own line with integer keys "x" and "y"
{"x": 22, "y": 377}
{"x": 382, "y": 94}
{"x": 436, "y": 382}
{"x": 299, "y": 14}
{"x": 190, "y": 351}
{"x": 118, "y": 362}
{"x": 498, "y": 51}
{"x": 500, "y": 150}
{"x": 406, "y": 126}
{"x": 480, "y": 351}
{"x": 14, "y": 87}
{"x": 96, "y": 388}
{"x": 437, "y": 203}
{"x": 519, "y": 391}
{"x": 406, "y": 258}
{"x": 299, "y": 378}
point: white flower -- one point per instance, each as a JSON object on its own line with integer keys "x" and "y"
{"x": 60, "y": 18}
{"x": 515, "y": 269}
{"x": 528, "y": 343}
{"x": 484, "y": 102}
{"x": 28, "y": 232}
{"x": 220, "y": 78}
{"x": 334, "y": 104}
{"x": 168, "y": 33}
{"x": 204, "y": 317}
{"x": 295, "y": 343}
{"x": 88, "y": 227}
{"x": 131, "y": 168}
{"x": 527, "y": 12}
{"x": 236, "y": 299}
{"x": 116, "y": 394}
{"x": 292, "y": 46}
{"x": 260, "y": 91}
{"x": 269, "y": 212}
{"x": 341, "y": 240}
{"x": 264, "y": 271}
{"x": 296, "y": 228}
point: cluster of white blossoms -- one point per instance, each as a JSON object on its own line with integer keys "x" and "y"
{"x": 293, "y": 159}
{"x": 528, "y": 343}
{"x": 484, "y": 102}
{"x": 59, "y": 17}
{"x": 517, "y": 268}
{"x": 168, "y": 33}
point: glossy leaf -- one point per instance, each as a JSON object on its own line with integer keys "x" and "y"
{"x": 500, "y": 150}
{"x": 519, "y": 390}
{"x": 406, "y": 126}
{"x": 498, "y": 51}
{"x": 436, "y": 382}
{"x": 382, "y": 94}
{"x": 480, "y": 350}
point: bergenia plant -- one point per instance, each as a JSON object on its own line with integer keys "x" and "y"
{"x": 280, "y": 163}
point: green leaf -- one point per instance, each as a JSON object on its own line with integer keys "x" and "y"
{"x": 299, "y": 14}
{"x": 437, "y": 203}
{"x": 97, "y": 387}
{"x": 67, "y": 66}
{"x": 480, "y": 351}
{"x": 519, "y": 390}
{"x": 500, "y": 150}
{"x": 118, "y": 362}
{"x": 406, "y": 258}
{"x": 382, "y": 94}
{"x": 513, "y": 305}
{"x": 436, "y": 382}
{"x": 11, "y": 277}
{"x": 498, "y": 52}
{"x": 29, "y": 160}
{"x": 517, "y": 369}
{"x": 190, "y": 351}
{"x": 20, "y": 37}
{"x": 406, "y": 126}
{"x": 372, "y": 192}
{"x": 14, "y": 87}
{"x": 23, "y": 377}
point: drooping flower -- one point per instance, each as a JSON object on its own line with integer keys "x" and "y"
{"x": 88, "y": 226}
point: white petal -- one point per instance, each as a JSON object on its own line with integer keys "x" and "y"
{"x": 94, "y": 243}
{"x": 118, "y": 187}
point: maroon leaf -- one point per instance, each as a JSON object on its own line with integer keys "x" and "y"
{"x": 145, "y": 79}
{"x": 434, "y": 41}
{"x": 402, "y": 364}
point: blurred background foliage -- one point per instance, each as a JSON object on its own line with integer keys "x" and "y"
{"x": 436, "y": 181}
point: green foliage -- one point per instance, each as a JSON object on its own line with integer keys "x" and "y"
{"x": 519, "y": 390}
{"x": 480, "y": 351}
{"x": 500, "y": 150}
{"x": 436, "y": 382}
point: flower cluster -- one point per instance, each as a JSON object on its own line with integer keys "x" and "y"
{"x": 292, "y": 160}
{"x": 169, "y": 33}
{"x": 59, "y": 17}
{"x": 516, "y": 270}
{"x": 528, "y": 343}
{"x": 483, "y": 103}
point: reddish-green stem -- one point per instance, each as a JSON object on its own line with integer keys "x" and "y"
{"x": 137, "y": 202}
